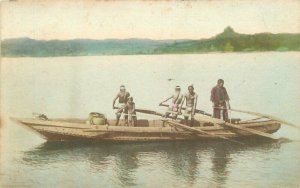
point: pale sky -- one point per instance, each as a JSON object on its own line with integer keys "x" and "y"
{"x": 154, "y": 20}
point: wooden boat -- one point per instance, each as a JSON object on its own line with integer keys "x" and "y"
{"x": 146, "y": 130}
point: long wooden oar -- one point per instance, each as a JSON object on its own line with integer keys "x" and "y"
{"x": 200, "y": 131}
{"x": 197, "y": 111}
{"x": 183, "y": 126}
{"x": 146, "y": 111}
{"x": 216, "y": 121}
{"x": 266, "y": 116}
{"x": 253, "y": 131}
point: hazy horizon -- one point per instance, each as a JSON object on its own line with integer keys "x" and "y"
{"x": 163, "y": 20}
{"x": 140, "y": 38}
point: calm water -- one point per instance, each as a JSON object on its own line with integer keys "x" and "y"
{"x": 75, "y": 86}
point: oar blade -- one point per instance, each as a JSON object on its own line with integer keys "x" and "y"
{"x": 253, "y": 131}
{"x": 267, "y": 116}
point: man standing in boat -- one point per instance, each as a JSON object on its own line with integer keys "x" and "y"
{"x": 219, "y": 98}
{"x": 191, "y": 102}
{"x": 123, "y": 96}
{"x": 176, "y": 101}
{"x": 130, "y": 107}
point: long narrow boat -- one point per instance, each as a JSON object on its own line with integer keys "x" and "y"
{"x": 145, "y": 130}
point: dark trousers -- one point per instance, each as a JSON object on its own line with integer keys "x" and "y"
{"x": 217, "y": 111}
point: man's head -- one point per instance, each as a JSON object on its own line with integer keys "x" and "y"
{"x": 191, "y": 88}
{"x": 177, "y": 89}
{"x": 122, "y": 88}
{"x": 130, "y": 99}
{"x": 220, "y": 82}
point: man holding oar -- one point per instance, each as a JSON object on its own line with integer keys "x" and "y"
{"x": 123, "y": 96}
{"x": 176, "y": 101}
{"x": 219, "y": 98}
{"x": 191, "y": 102}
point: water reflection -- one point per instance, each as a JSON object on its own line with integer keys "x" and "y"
{"x": 220, "y": 159}
{"x": 184, "y": 159}
{"x": 126, "y": 164}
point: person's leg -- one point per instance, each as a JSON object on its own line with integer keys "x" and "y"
{"x": 217, "y": 113}
{"x": 119, "y": 114}
{"x": 125, "y": 111}
{"x": 134, "y": 119}
{"x": 225, "y": 115}
{"x": 214, "y": 112}
{"x": 186, "y": 119}
{"x": 174, "y": 116}
{"x": 175, "y": 110}
{"x": 118, "y": 118}
{"x": 224, "y": 112}
{"x": 129, "y": 120}
{"x": 192, "y": 120}
{"x": 134, "y": 122}
{"x": 126, "y": 121}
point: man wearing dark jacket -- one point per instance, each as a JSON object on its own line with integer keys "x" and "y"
{"x": 219, "y": 98}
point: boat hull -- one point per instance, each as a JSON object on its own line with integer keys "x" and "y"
{"x": 146, "y": 130}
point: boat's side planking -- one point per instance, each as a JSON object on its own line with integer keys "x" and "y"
{"x": 146, "y": 130}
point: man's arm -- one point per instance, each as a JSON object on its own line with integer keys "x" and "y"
{"x": 195, "y": 104}
{"x": 212, "y": 94}
{"x": 226, "y": 95}
{"x": 180, "y": 98}
{"x": 181, "y": 104}
{"x": 166, "y": 100}
{"x": 227, "y": 98}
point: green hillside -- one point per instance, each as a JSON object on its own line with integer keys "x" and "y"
{"x": 227, "y": 41}
{"x": 230, "y": 41}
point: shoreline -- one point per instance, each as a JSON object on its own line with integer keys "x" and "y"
{"x": 153, "y": 54}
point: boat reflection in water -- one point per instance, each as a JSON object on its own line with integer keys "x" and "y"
{"x": 132, "y": 164}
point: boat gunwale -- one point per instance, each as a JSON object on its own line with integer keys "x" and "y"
{"x": 108, "y": 128}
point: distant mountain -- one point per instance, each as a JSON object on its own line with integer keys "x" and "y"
{"x": 228, "y": 41}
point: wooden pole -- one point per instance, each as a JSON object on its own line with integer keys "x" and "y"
{"x": 184, "y": 126}
{"x": 221, "y": 122}
{"x": 252, "y": 131}
{"x": 216, "y": 122}
{"x": 200, "y": 131}
{"x": 266, "y": 116}
{"x": 197, "y": 111}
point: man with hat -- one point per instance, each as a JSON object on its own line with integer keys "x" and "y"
{"x": 191, "y": 98}
{"x": 176, "y": 101}
{"x": 219, "y": 98}
{"x": 123, "y": 96}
